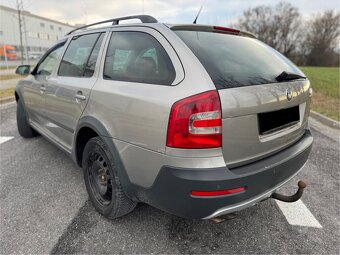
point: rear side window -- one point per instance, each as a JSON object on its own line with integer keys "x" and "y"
{"x": 137, "y": 57}
{"x": 236, "y": 61}
{"x": 77, "y": 55}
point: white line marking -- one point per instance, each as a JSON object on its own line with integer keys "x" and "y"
{"x": 4, "y": 139}
{"x": 298, "y": 214}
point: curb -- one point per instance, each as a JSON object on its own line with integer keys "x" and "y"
{"x": 325, "y": 120}
{"x": 6, "y": 100}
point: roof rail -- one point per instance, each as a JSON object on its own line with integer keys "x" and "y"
{"x": 142, "y": 18}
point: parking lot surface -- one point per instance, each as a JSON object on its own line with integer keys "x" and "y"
{"x": 45, "y": 208}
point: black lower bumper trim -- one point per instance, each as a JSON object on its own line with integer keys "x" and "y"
{"x": 172, "y": 188}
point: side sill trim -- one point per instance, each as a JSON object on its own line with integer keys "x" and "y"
{"x": 49, "y": 138}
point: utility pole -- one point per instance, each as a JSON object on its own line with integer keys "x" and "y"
{"x": 20, "y": 30}
{"x": 25, "y": 34}
{"x": 5, "y": 52}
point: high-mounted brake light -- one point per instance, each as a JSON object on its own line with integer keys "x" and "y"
{"x": 226, "y": 29}
{"x": 216, "y": 193}
{"x": 195, "y": 122}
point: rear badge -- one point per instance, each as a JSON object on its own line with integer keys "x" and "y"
{"x": 289, "y": 94}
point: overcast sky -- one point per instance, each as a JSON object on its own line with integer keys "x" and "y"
{"x": 219, "y": 12}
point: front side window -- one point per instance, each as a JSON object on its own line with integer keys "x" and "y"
{"x": 77, "y": 54}
{"x": 48, "y": 64}
{"x": 137, "y": 57}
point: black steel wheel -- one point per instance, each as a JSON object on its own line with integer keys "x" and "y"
{"x": 102, "y": 181}
{"x": 100, "y": 178}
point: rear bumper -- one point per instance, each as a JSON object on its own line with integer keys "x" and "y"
{"x": 172, "y": 187}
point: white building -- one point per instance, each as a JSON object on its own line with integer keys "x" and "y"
{"x": 41, "y": 32}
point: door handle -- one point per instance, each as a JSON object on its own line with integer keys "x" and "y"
{"x": 42, "y": 89}
{"x": 80, "y": 96}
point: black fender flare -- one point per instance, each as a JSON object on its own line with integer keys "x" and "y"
{"x": 18, "y": 91}
{"x": 99, "y": 128}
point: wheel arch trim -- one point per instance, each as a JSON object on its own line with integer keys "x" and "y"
{"x": 18, "y": 95}
{"x": 99, "y": 128}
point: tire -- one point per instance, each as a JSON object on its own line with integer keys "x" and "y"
{"x": 102, "y": 181}
{"x": 24, "y": 127}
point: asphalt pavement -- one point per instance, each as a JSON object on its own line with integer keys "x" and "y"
{"x": 44, "y": 208}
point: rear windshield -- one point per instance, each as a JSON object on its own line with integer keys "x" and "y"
{"x": 236, "y": 61}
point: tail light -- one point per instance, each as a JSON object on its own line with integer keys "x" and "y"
{"x": 226, "y": 29}
{"x": 195, "y": 122}
{"x": 215, "y": 193}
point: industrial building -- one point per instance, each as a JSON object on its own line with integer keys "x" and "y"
{"x": 39, "y": 33}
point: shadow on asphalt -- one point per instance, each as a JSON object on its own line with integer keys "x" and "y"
{"x": 260, "y": 229}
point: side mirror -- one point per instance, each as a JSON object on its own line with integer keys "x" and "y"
{"x": 23, "y": 69}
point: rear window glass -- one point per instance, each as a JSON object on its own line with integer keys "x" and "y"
{"x": 236, "y": 61}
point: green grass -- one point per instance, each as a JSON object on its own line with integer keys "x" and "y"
{"x": 6, "y": 92}
{"x": 9, "y": 77}
{"x": 9, "y": 67}
{"x": 326, "y": 90}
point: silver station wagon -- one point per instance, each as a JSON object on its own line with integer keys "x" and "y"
{"x": 196, "y": 120}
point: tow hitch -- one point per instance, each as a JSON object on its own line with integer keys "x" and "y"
{"x": 289, "y": 199}
{"x": 293, "y": 198}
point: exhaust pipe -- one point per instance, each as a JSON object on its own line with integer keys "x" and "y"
{"x": 289, "y": 199}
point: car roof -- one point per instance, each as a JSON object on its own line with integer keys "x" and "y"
{"x": 149, "y": 21}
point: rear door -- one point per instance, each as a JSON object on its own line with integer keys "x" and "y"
{"x": 260, "y": 116}
{"x": 68, "y": 92}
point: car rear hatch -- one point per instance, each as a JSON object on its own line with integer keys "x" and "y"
{"x": 261, "y": 114}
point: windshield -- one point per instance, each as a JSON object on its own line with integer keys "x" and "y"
{"x": 236, "y": 61}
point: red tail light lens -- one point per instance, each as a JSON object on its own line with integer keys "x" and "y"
{"x": 216, "y": 193}
{"x": 195, "y": 122}
{"x": 226, "y": 29}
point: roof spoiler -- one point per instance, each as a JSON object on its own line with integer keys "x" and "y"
{"x": 215, "y": 29}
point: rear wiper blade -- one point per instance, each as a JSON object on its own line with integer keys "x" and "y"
{"x": 285, "y": 76}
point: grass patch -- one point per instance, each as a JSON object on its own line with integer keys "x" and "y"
{"x": 326, "y": 90}
{"x": 5, "y": 68}
{"x": 7, "y": 92}
{"x": 10, "y": 77}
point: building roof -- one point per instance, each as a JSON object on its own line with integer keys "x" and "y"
{"x": 28, "y": 14}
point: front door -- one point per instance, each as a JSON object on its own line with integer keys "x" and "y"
{"x": 35, "y": 88}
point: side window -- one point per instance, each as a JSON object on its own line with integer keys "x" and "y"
{"x": 77, "y": 54}
{"x": 47, "y": 66}
{"x": 91, "y": 63}
{"x": 137, "y": 57}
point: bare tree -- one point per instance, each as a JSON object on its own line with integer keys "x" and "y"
{"x": 322, "y": 40}
{"x": 259, "y": 21}
{"x": 277, "y": 26}
{"x": 287, "y": 20}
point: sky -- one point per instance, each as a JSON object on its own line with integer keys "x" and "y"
{"x": 218, "y": 12}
